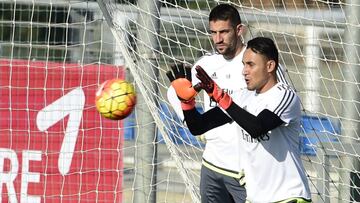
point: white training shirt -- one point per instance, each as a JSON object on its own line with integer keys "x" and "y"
{"x": 272, "y": 163}
{"x": 222, "y": 143}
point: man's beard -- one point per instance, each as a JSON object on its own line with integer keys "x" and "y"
{"x": 228, "y": 52}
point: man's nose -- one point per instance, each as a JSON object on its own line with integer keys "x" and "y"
{"x": 244, "y": 71}
{"x": 217, "y": 38}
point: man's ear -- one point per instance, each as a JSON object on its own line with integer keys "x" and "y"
{"x": 240, "y": 29}
{"x": 271, "y": 66}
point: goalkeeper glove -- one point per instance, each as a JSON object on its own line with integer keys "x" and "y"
{"x": 180, "y": 78}
{"x": 212, "y": 89}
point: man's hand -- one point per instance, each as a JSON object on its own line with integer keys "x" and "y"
{"x": 220, "y": 96}
{"x": 180, "y": 78}
{"x": 206, "y": 83}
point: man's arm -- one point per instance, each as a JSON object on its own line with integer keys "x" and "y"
{"x": 201, "y": 123}
{"x": 256, "y": 126}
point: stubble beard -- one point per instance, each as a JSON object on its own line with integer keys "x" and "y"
{"x": 230, "y": 50}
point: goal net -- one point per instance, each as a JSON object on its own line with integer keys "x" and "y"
{"x": 54, "y": 54}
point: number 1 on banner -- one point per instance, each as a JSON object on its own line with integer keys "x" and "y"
{"x": 71, "y": 104}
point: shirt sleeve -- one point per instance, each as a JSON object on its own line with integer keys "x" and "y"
{"x": 256, "y": 126}
{"x": 201, "y": 123}
{"x": 175, "y": 102}
{"x": 285, "y": 103}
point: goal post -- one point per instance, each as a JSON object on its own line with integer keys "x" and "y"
{"x": 54, "y": 54}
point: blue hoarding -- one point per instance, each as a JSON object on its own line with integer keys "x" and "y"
{"x": 315, "y": 130}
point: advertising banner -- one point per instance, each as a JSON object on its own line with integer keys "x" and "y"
{"x": 54, "y": 145}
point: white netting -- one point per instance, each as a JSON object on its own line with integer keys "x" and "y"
{"x": 58, "y": 49}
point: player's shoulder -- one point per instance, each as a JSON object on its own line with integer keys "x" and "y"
{"x": 284, "y": 99}
{"x": 208, "y": 58}
{"x": 282, "y": 87}
{"x": 285, "y": 92}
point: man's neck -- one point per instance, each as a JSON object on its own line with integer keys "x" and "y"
{"x": 267, "y": 86}
{"x": 237, "y": 52}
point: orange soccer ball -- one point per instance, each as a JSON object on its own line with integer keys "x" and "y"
{"x": 115, "y": 99}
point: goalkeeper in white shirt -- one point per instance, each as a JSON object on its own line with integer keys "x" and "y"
{"x": 268, "y": 116}
{"x": 221, "y": 170}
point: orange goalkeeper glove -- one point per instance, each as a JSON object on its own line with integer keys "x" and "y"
{"x": 220, "y": 96}
{"x": 180, "y": 78}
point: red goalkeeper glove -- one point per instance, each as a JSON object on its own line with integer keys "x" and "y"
{"x": 180, "y": 78}
{"x": 213, "y": 90}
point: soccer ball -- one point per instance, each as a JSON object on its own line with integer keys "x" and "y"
{"x": 115, "y": 99}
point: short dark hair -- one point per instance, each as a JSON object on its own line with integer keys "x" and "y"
{"x": 225, "y": 12}
{"x": 266, "y": 47}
